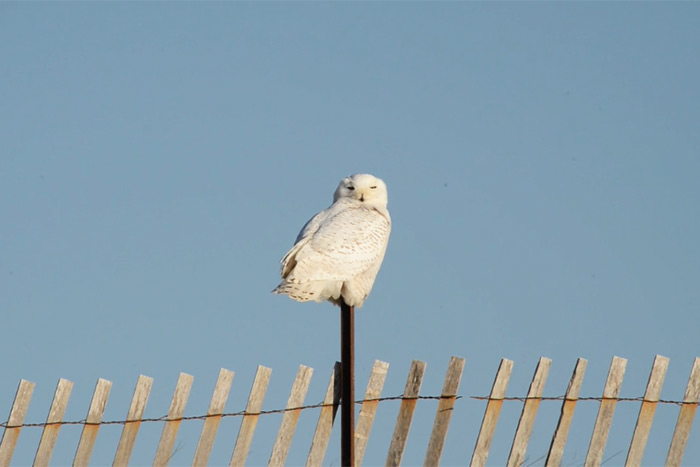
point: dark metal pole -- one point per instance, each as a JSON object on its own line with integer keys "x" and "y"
{"x": 347, "y": 397}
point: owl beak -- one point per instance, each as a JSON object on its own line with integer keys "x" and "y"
{"x": 362, "y": 198}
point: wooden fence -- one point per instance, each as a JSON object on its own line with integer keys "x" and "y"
{"x": 327, "y": 410}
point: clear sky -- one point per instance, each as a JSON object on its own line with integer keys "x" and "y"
{"x": 158, "y": 159}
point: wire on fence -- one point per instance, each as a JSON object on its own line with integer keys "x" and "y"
{"x": 321, "y": 405}
{"x": 598, "y": 399}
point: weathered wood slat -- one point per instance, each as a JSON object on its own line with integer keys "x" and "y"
{"x": 606, "y": 411}
{"x": 133, "y": 423}
{"x": 685, "y": 417}
{"x": 211, "y": 424}
{"x": 250, "y": 419}
{"x": 14, "y": 423}
{"x": 92, "y": 422}
{"x": 444, "y": 411}
{"x": 405, "y": 417}
{"x": 365, "y": 420}
{"x": 646, "y": 411}
{"x": 493, "y": 410}
{"x": 172, "y": 423}
{"x": 556, "y": 449}
{"x": 291, "y": 416}
{"x": 53, "y": 422}
{"x": 527, "y": 417}
{"x": 331, "y": 401}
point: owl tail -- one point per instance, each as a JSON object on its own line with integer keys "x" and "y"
{"x": 305, "y": 291}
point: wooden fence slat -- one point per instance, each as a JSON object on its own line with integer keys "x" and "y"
{"x": 365, "y": 420}
{"x": 646, "y": 411}
{"x": 493, "y": 410}
{"x": 172, "y": 423}
{"x": 250, "y": 419}
{"x": 405, "y": 417}
{"x": 453, "y": 377}
{"x": 14, "y": 423}
{"x": 556, "y": 449}
{"x": 211, "y": 424}
{"x": 685, "y": 417}
{"x": 605, "y": 412}
{"x": 92, "y": 422}
{"x": 53, "y": 422}
{"x": 133, "y": 420}
{"x": 319, "y": 444}
{"x": 291, "y": 416}
{"x": 527, "y": 417}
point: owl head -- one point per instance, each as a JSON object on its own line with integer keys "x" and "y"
{"x": 364, "y": 188}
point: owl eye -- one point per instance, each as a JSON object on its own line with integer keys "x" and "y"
{"x": 373, "y": 187}
{"x": 351, "y": 188}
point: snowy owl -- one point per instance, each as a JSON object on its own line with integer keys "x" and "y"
{"x": 338, "y": 252}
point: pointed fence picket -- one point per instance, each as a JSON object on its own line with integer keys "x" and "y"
{"x": 444, "y": 411}
{"x": 556, "y": 449}
{"x": 172, "y": 423}
{"x": 325, "y": 420}
{"x": 408, "y": 407}
{"x": 369, "y": 408}
{"x": 211, "y": 424}
{"x": 527, "y": 418}
{"x": 133, "y": 420}
{"x": 493, "y": 411}
{"x": 291, "y": 416}
{"x": 646, "y": 411}
{"x": 53, "y": 421}
{"x": 685, "y": 417}
{"x": 250, "y": 419}
{"x": 14, "y": 423}
{"x": 92, "y": 423}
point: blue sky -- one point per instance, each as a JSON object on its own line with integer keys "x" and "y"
{"x": 158, "y": 159}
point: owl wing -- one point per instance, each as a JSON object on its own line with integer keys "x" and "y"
{"x": 289, "y": 261}
{"x": 348, "y": 241}
{"x": 311, "y": 225}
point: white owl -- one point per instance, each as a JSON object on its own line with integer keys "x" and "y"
{"x": 338, "y": 252}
